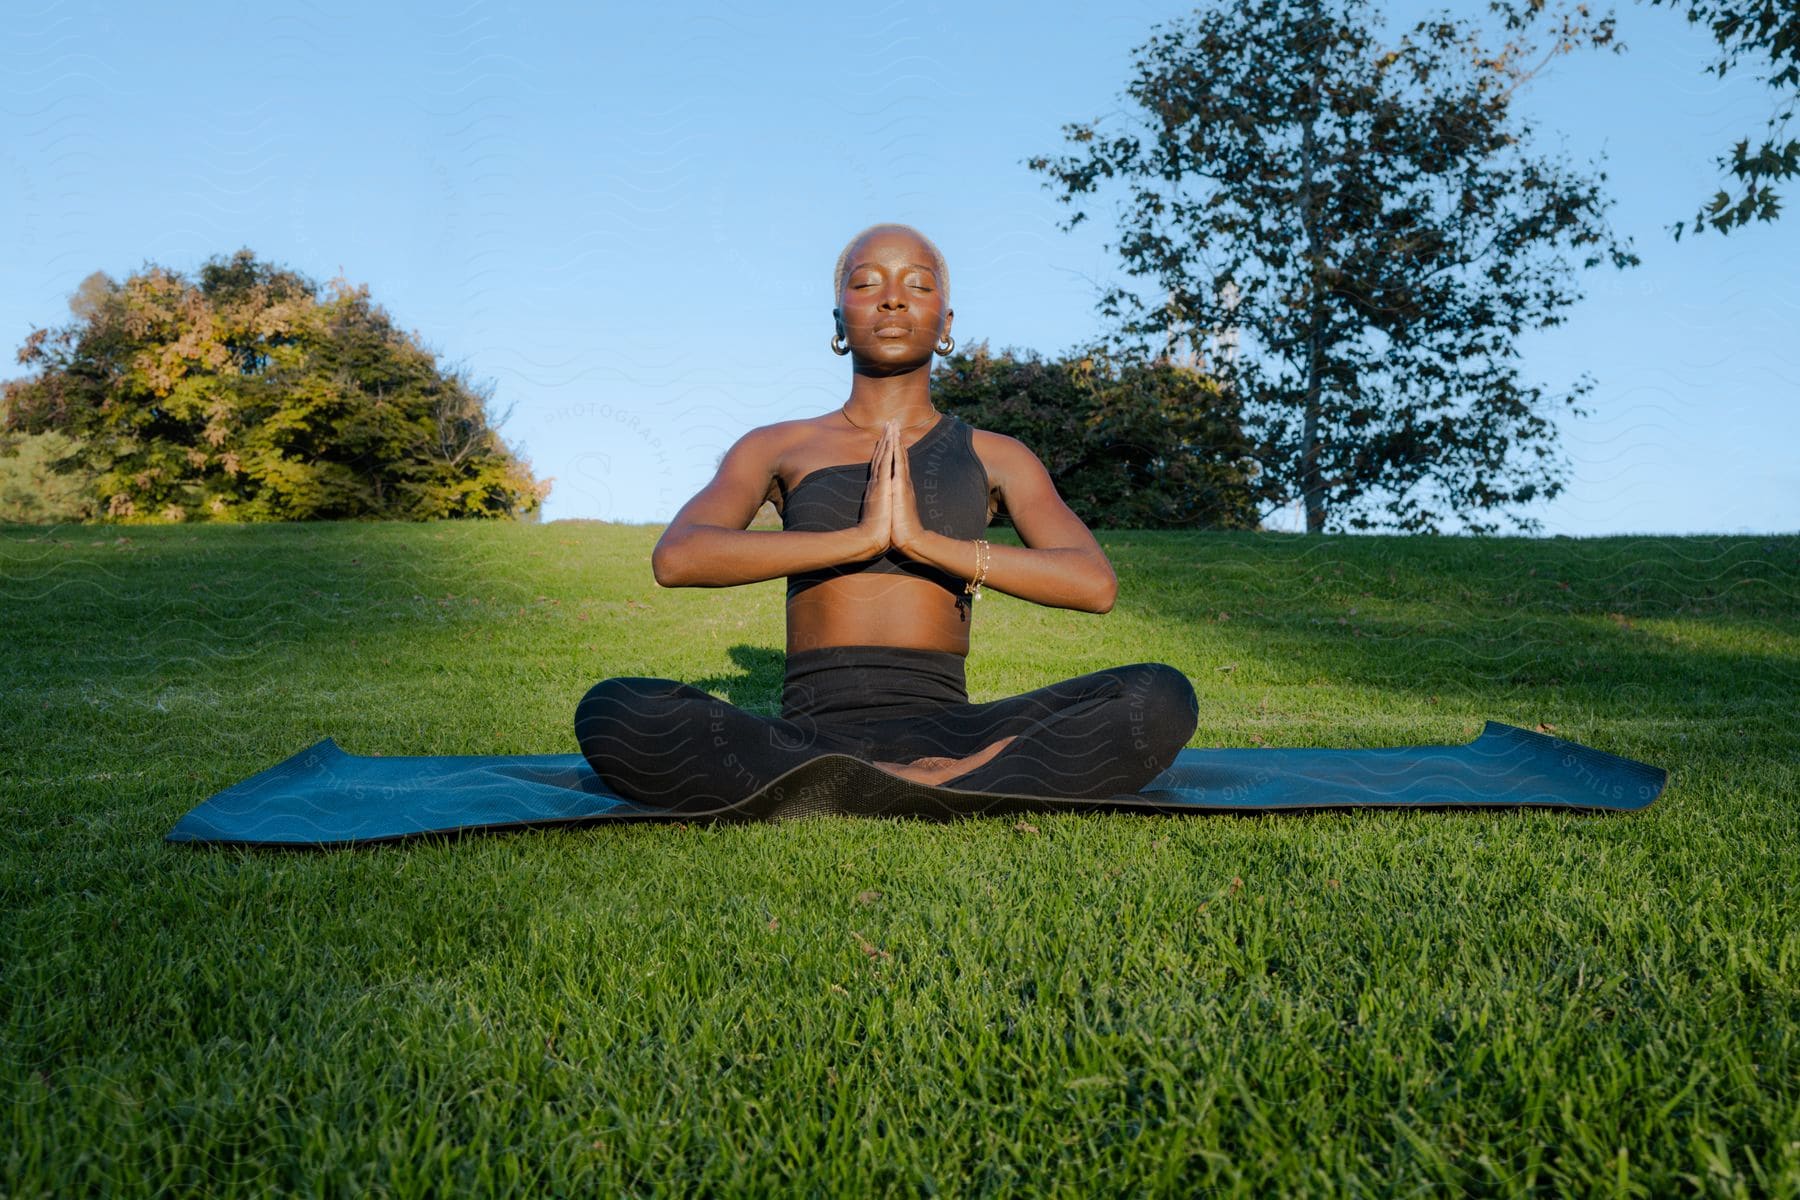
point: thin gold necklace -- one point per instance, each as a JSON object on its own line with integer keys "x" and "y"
{"x": 903, "y": 428}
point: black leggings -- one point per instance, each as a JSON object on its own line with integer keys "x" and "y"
{"x": 669, "y": 744}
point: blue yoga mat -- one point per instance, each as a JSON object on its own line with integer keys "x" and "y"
{"x": 324, "y": 796}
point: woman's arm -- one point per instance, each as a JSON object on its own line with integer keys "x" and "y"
{"x": 1060, "y": 565}
{"x": 707, "y": 543}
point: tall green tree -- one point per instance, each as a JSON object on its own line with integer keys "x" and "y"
{"x": 249, "y": 395}
{"x": 1365, "y": 228}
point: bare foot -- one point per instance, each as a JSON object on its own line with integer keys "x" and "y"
{"x": 936, "y": 770}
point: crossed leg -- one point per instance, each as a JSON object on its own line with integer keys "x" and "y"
{"x": 1092, "y": 736}
{"x": 672, "y": 745}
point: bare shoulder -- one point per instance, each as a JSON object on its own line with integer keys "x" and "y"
{"x": 785, "y": 442}
{"x": 1004, "y": 456}
{"x": 769, "y": 444}
{"x": 773, "y": 453}
{"x": 774, "y": 433}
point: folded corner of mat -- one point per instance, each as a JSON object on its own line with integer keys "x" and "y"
{"x": 324, "y": 796}
{"x": 1612, "y": 780}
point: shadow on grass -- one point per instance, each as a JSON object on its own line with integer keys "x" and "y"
{"x": 1645, "y": 627}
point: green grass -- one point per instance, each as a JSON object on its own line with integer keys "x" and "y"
{"x": 1376, "y": 1003}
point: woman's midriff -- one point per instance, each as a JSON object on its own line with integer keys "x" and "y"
{"x": 877, "y": 610}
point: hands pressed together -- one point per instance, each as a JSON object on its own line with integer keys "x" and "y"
{"x": 890, "y": 510}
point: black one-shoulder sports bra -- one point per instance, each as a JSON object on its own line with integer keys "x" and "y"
{"x": 948, "y": 481}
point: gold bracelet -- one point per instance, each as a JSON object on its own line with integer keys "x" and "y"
{"x": 982, "y": 555}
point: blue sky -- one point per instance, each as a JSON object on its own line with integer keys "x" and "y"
{"x": 582, "y": 203}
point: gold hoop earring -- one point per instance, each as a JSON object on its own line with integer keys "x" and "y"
{"x": 946, "y": 346}
{"x": 839, "y": 349}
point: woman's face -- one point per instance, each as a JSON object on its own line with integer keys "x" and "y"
{"x": 891, "y": 308}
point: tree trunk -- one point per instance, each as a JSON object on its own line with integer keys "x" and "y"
{"x": 1312, "y": 492}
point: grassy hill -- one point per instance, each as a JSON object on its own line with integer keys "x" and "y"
{"x": 1393, "y": 1003}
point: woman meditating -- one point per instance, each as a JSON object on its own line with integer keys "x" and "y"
{"x": 883, "y": 503}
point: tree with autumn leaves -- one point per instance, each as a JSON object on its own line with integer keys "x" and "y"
{"x": 249, "y": 394}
